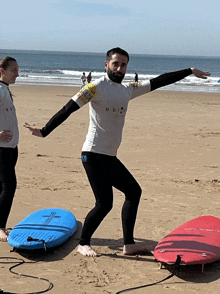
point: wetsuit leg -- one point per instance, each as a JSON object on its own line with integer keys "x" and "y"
{"x": 103, "y": 173}
{"x": 8, "y": 159}
{"x": 124, "y": 181}
{"x": 96, "y": 171}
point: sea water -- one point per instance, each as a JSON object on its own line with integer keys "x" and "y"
{"x": 55, "y": 68}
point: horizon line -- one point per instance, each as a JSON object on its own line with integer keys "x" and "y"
{"x": 90, "y": 52}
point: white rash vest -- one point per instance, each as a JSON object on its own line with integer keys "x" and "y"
{"x": 8, "y": 118}
{"x": 108, "y": 103}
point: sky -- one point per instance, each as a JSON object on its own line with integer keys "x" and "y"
{"x": 166, "y": 27}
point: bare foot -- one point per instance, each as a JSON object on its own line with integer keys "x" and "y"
{"x": 3, "y": 236}
{"x": 86, "y": 250}
{"x": 132, "y": 249}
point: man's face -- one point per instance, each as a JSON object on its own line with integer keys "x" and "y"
{"x": 116, "y": 67}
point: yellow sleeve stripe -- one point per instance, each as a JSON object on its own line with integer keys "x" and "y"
{"x": 87, "y": 93}
{"x": 135, "y": 85}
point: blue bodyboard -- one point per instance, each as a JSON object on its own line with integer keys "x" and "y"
{"x": 48, "y": 227}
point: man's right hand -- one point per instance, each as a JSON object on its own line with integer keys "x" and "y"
{"x": 34, "y": 131}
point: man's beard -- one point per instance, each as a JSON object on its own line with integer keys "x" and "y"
{"x": 117, "y": 78}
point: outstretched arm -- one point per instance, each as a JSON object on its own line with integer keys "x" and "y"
{"x": 172, "y": 77}
{"x": 55, "y": 121}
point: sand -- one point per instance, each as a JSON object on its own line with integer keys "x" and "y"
{"x": 170, "y": 144}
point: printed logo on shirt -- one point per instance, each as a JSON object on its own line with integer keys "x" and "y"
{"x": 117, "y": 111}
{"x": 10, "y": 108}
{"x": 87, "y": 93}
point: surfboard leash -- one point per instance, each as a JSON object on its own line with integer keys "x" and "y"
{"x": 19, "y": 262}
{"x": 30, "y": 239}
{"x": 175, "y": 273}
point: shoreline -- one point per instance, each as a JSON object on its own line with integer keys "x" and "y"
{"x": 77, "y": 88}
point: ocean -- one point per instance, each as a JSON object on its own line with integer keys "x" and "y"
{"x": 55, "y": 68}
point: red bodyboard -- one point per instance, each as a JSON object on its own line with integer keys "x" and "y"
{"x": 196, "y": 241}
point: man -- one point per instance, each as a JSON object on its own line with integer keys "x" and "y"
{"x": 109, "y": 99}
{"x": 136, "y": 78}
{"x": 89, "y": 77}
{"x": 83, "y": 79}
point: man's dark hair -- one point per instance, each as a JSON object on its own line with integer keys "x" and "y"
{"x": 114, "y": 51}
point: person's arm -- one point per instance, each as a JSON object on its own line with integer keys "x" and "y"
{"x": 173, "y": 77}
{"x": 55, "y": 121}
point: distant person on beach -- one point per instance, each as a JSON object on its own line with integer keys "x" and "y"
{"x": 108, "y": 99}
{"x": 9, "y": 136}
{"x": 83, "y": 79}
{"x": 89, "y": 77}
{"x": 136, "y": 78}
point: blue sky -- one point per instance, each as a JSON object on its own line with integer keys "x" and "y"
{"x": 175, "y": 27}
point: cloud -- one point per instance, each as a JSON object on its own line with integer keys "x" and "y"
{"x": 85, "y": 9}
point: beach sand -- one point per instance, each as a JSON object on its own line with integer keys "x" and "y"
{"x": 170, "y": 144}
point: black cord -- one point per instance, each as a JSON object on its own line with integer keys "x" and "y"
{"x": 20, "y": 262}
{"x": 175, "y": 272}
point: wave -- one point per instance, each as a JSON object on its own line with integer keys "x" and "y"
{"x": 41, "y": 71}
{"x": 73, "y": 78}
